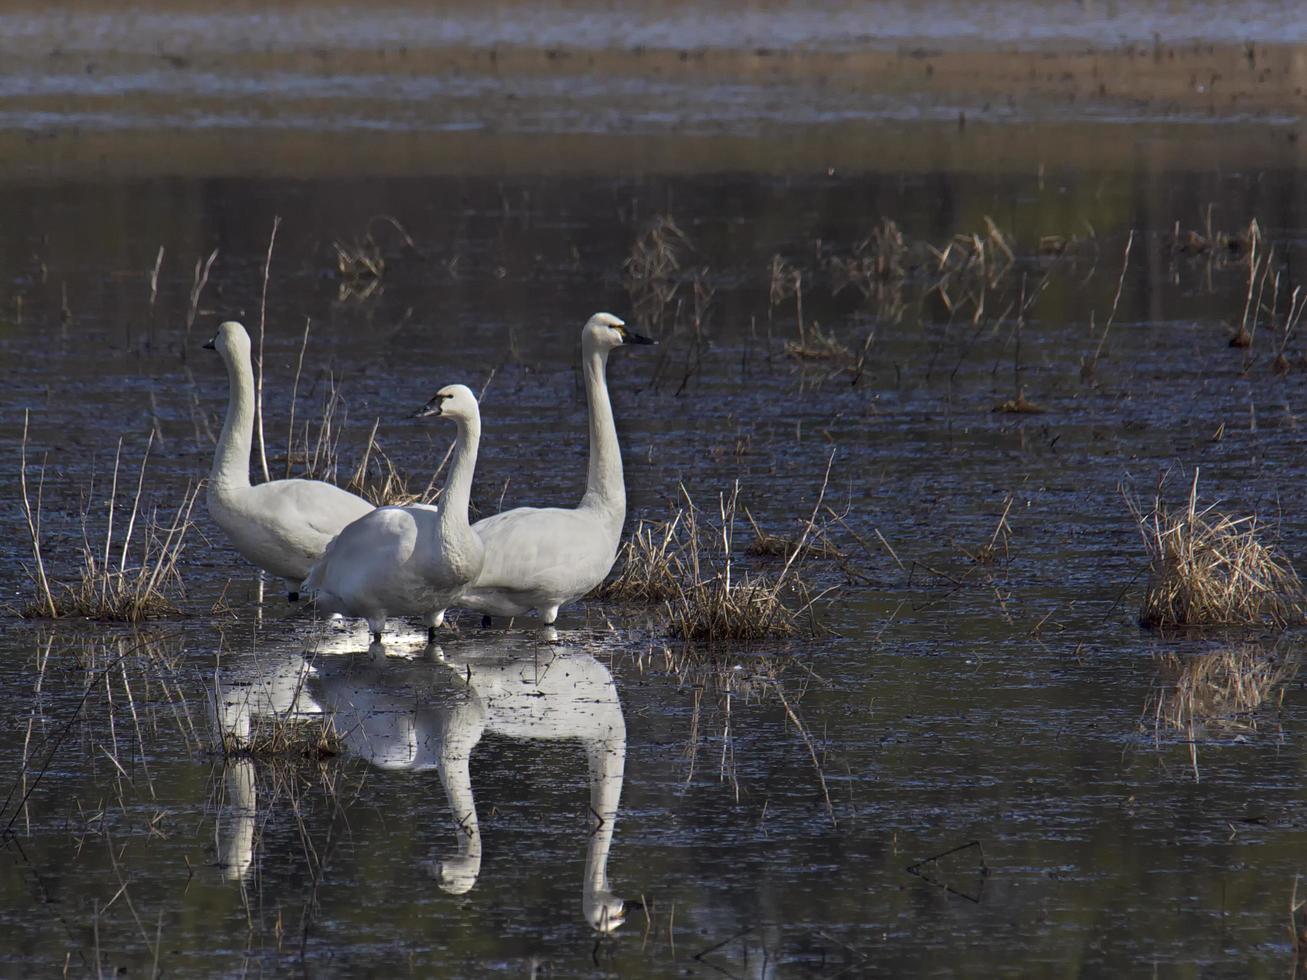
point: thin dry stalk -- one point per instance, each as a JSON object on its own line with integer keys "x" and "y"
{"x": 202, "y": 267}
{"x": 263, "y": 329}
{"x": 294, "y": 394}
{"x": 154, "y": 277}
{"x": 1116, "y": 302}
{"x": 1207, "y": 568}
{"x": 44, "y": 604}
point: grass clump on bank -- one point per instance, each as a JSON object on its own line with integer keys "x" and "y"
{"x": 131, "y": 579}
{"x": 1208, "y": 569}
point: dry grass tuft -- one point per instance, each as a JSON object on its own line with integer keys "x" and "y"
{"x": 378, "y": 480}
{"x": 983, "y": 256}
{"x": 690, "y": 565}
{"x": 816, "y": 345}
{"x": 879, "y": 259}
{"x": 360, "y": 266}
{"x": 129, "y": 581}
{"x": 653, "y": 270}
{"x": 1230, "y": 246}
{"x": 652, "y": 563}
{"x": 1207, "y": 568}
{"x": 1019, "y": 406}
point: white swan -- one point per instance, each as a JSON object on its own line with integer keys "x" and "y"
{"x": 282, "y": 526}
{"x": 414, "y": 560}
{"x": 545, "y": 557}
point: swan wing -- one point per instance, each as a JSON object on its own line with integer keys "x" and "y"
{"x": 364, "y": 556}
{"x": 321, "y": 507}
{"x": 550, "y": 551}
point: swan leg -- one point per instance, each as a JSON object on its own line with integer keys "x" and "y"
{"x": 433, "y": 620}
{"x": 292, "y": 590}
{"x": 485, "y": 621}
{"x": 551, "y": 614}
{"x": 292, "y": 597}
{"x": 376, "y": 624}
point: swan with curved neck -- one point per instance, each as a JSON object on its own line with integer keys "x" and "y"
{"x": 414, "y": 560}
{"x": 541, "y": 558}
{"x": 282, "y": 526}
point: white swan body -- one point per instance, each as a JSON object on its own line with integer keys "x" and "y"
{"x": 282, "y": 526}
{"x": 541, "y": 558}
{"x": 415, "y": 560}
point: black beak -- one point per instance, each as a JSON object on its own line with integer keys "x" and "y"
{"x": 635, "y": 338}
{"x": 430, "y": 408}
{"x": 211, "y": 345}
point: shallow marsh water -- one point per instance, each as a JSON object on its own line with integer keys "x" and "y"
{"x": 1015, "y": 709}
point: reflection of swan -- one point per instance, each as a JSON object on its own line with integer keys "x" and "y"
{"x": 282, "y": 526}
{"x": 544, "y": 557}
{"x": 430, "y": 714}
{"x": 413, "y": 560}
{"x": 236, "y": 837}
{"x": 559, "y": 694}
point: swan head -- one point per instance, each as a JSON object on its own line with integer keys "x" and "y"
{"x": 230, "y": 341}
{"x": 451, "y": 402}
{"x": 603, "y": 331}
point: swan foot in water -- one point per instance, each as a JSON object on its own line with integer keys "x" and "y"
{"x": 485, "y": 621}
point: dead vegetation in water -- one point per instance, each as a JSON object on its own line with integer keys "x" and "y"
{"x": 653, "y": 272}
{"x": 690, "y": 564}
{"x": 285, "y": 736}
{"x": 361, "y": 261}
{"x": 980, "y": 256}
{"x": 873, "y": 264}
{"x": 785, "y": 282}
{"x": 1209, "y": 569}
{"x": 1227, "y": 246}
{"x": 1218, "y": 694}
{"x": 127, "y": 575}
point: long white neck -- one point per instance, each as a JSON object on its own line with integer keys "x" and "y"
{"x": 458, "y": 489}
{"x": 231, "y": 463}
{"x": 604, "y": 486}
